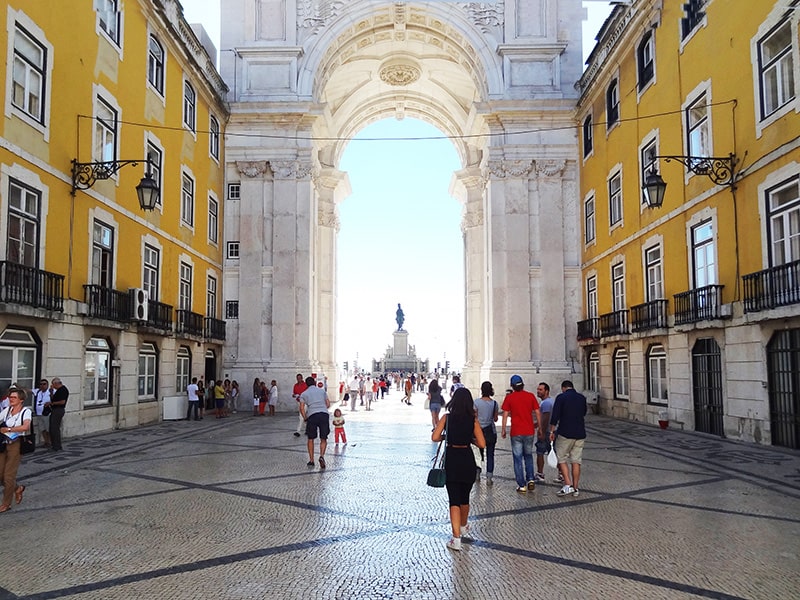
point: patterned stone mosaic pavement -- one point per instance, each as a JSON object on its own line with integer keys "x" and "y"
{"x": 228, "y": 509}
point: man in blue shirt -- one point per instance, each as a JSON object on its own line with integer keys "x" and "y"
{"x": 566, "y": 420}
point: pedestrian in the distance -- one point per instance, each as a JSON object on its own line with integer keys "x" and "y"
{"x": 256, "y": 395}
{"x": 567, "y": 422}
{"x": 58, "y": 407}
{"x": 436, "y": 401}
{"x": 487, "y": 410}
{"x": 338, "y": 427}
{"x": 273, "y": 397}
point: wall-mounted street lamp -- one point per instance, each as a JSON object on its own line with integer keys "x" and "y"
{"x": 717, "y": 169}
{"x": 85, "y": 174}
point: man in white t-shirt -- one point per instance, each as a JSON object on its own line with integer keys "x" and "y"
{"x": 194, "y": 400}
{"x": 41, "y": 421}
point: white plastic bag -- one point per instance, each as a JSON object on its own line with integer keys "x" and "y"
{"x": 552, "y": 459}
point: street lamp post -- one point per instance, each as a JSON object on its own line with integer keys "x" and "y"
{"x": 84, "y": 176}
{"x": 718, "y": 169}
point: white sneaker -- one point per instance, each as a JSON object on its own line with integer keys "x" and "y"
{"x": 575, "y": 492}
{"x": 466, "y": 535}
{"x": 566, "y": 490}
{"x": 454, "y": 544}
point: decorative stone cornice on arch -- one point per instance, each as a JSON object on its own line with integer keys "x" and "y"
{"x": 503, "y": 168}
{"x": 290, "y": 169}
{"x": 251, "y": 168}
{"x": 550, "y": 168}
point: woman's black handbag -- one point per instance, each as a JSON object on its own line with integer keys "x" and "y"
{"x": 437, "y": 476}
{"x": 28, "y": 441}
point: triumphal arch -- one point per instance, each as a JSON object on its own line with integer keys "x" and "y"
{"x": 307, "y": 75}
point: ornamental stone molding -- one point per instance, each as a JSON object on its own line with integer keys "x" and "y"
{"x": 251, "y": 168}
{"x": 290, "y": 169}
{"x": 400, "y": 74}
{"x": 485, "y": 14}
{"x": 327, "y": 217}
{"x": 550, "y": 168}
{"x": 503, "y": 169}
{"x": 472, "y": 218}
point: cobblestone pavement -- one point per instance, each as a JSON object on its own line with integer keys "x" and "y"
{"x": 228, "y": 509}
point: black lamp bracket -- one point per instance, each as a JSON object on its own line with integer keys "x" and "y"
{"x": 84, "y": 175}
{"x": 718, "y": 169}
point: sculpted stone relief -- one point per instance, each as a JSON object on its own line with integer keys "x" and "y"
{"x": 509, "y": 168}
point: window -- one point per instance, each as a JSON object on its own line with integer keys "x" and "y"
{"x": 588, "y": 217}
{"x": 234, "y": 191}
{"x": 776, "y": 69}
{"x": 108, "y": 18}
{"x": 211, "y": 297}
{"x": 213, "y": 137}
{"x": 151, "y": 269}
{"x": 213, "y": 221}
{"x": 698, "y": 134}
{"x": 22, "y": 243}
{"x": 185, "y": 287}
{"x": 612, "y": 104}
{"x": 657, "y": 374}
{"x": 28, "y": 75}
{"x": 649, "y": 162}
{"x": 591, "y": 297}
{"x": 593, "y": 372}
{"x": 783, "y": 207}
{"x": 703, "y": 255}
{"x": 183, "y": 369}
{"x": 18, "y": 351}
{"x": 233, "y": 249}
{"x": 189, "y": 106}
{"x": 654, "y": 274}
{"x": 693, "y": 9}
{"x": 97, "y": 388}
{"x": 622, "y": 388}
{"x": 148, "y": 359}
{"x": 645, "y": 60}
{"x": 155, "y": 65}
{"x": 156, "y": 160}
{"x": 232, "y": 309}
{"x": 587, "y": 136}
{"x": 618, "y": 286}
{"x": 105, "y": 132}
{"x": 102, "y": 255}
{"x": 615, "y": 198}
{"x": 187, "y": 200}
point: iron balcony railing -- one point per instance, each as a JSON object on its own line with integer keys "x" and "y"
{"x": 107, "y": 303}
{"x": 159, "y": 315}
{"x": 614, "y": 323}
{"x": 189, "y": 322}
{"x": 214, "y": 329}
{"x": 700, "y": 304}
{"x": 773, "y": 287}
{"x": 589, "y": 329}
{"x": 32, "y": 287}
{"x": 650, "y": 315}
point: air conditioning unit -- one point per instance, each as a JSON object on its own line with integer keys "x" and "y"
{"x": 139, "y": 304}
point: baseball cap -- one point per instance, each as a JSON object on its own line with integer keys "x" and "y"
{"x": 515, "y": 380}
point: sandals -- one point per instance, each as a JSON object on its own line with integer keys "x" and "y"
{"x": 4, "y": 508}
{"x": 18, "y": 493}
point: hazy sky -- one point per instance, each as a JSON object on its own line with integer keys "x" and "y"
{"x": 400, "y": 239}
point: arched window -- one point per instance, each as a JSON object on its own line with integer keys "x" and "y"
{"x": 622, "y": 378}
{"x": 657, "y": 374}
{"x": 155, "y": 65}
{"x": 645, "y": 60}
{"x": 612, "y": 104}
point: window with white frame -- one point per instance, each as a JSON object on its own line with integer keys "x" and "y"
{"x": 698, "y": 128}
{"x": 776, "y": 68}
{"x": 649, "y": 163}
{"x": 589, "y": 219}
{"x": 183, "y": 369}
{"x": 18, "y": 358}
{"x": 232, "y": 309}
{"x": 155, "y": 64}
{"x": 234, "y": 191}
{"x": 185, "y": 287}
{"x": 187, "y": 200}
{"x": 591, "y": 297}
{"x": 151, "y": 268}
{"x": 657, "y": 374}
{"x": 156, "y": 157}
{"x": 211, "y": 297}
{"x": 618, "y": 286}
{"x": 213, "y": 220}
{"x": 213, "y": 137}
{"x": 693, "y": 16}
{"x": 97, "y": 372}
{"x": 108, "y": 17}
{"x": 783, "y": 208}
{"x": 105, "y": 131}
{"x": 593, "y": 372}
{"x": 622, "y": 389}
{"x": 654, "y": 273}
{"x": 102, "y": 255}
{"x": 22, "y": 241}
{"x": 148, "y": 363}
{"x": 588, "y": 136}
{"x": 615, "y": 198}
{"x": 645, "y": 60}
{"x": 28, "y": 79}
{"x": 704, "y": 255}
{"x": 612, "y": 104}
{"x": 189, "y": 106}
{"x": 233, "y": 249}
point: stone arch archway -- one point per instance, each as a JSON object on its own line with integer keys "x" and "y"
{"x": 307, "y": 75}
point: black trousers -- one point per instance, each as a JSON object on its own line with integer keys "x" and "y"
{"x": 56, "y": 417}
{"x": 193, "y": 404}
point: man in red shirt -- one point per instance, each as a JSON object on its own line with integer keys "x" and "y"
{"x": 522, "y": 406}
{"x": 298, "y": 389}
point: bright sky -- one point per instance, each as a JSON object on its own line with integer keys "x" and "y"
{"x": 400, "y": 239}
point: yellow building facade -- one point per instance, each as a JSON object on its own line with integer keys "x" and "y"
{"x": 123, "y": 304}
{"x": 692, "y": 308}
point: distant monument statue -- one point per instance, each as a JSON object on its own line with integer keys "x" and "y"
{"x": 400, "y": 318}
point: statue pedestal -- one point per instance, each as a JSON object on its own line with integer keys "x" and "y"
{"x": 400, "y": 343}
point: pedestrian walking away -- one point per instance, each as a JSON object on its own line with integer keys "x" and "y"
{"x": 487, "y": 410}
{"x": 523, "y": 408}
{"x": 568, "y": 429}
{"x": 299, "y": 387}
{"x": 543, "y": 442}
{"x": 314, "y": 405}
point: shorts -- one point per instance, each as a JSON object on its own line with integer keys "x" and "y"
{"x": 569, "y": 450}
{"x": 436, "y": 408}
{"x": 219, "y": 402}
{"x": 542, "y": 447}
{"x": 318, "y": 423}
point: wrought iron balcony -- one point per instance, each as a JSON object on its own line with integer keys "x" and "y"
{"x": 700, "y": 304}
{"x": 214, "y": 329}
{"x": 650, "y": 315}
{"x": 189, "y": 322}
{"x": 32, "y": 287}
{"x": 614, "y": 323}
{"x": 107, "y": 303}
{"x": 589, "y": 329}
{"x": 773, "y": 287}
{"x": 159, "y": 315}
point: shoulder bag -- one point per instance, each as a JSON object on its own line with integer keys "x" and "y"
{"x": 437, "y": 476}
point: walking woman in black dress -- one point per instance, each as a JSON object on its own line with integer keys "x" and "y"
{"x": 462, "y": 429}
